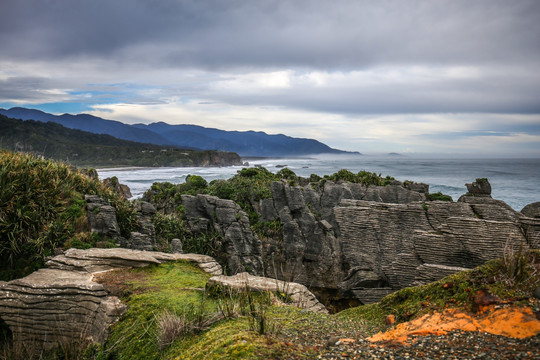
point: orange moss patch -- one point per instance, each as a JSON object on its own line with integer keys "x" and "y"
{"x": 516, "y": 322}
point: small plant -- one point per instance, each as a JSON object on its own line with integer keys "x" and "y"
{"x": 516, "y": 265}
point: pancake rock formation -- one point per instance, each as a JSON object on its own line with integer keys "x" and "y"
{"x": 63, "y": 303}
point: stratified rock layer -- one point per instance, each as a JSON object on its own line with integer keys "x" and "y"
{"x": 351, "y": 243}
{"x": 241, "y": 248}
{"x": 62, "y": 303}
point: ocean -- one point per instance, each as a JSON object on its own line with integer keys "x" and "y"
{"x": 515, "y": 181}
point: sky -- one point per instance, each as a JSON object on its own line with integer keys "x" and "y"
{"x": 458, "y": 77}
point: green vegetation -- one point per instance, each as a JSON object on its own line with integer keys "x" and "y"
{"x": 171, "y": 315}
{"x": 250, "y": 185}
{"x": 362, "y": 177}
{"x": 439, "y": 196}
{"x": 499, "y": 277}
{"x": 83, "y": 149}
{"x": 42, "y": 207}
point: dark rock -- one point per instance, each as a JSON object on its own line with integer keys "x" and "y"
{"x": 241, "y": 248}
{"x": 418, "y": 187}
{"x": 480, "y": 187}
{"x": 532, "y": 210}
{"x": 102, "y": 217}
{"x": 121, "y": 189}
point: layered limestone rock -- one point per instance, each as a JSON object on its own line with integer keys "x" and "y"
{"x": 102, "y": 219}
{"x": 210, "y": 214}
{"x": 311, "y": 251}
{"x": 62, "y": 303}
{"x": 391, "y": 246}
{"x": 299, "y": 295}
{"x": 53, "y": 306}
{"x": 97, "y": 260}
{"x": 351, "y": 243}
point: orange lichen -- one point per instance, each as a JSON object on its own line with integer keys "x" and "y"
{"x": 516, "y": 322}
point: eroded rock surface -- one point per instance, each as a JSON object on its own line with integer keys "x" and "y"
{"x": 102, "y": 217}
{"x": 62, "y": 303}
{"x": 53, "y": 306}
{"x": 299, "y": 294}
{"x": 353, "y": 244}
{"x": 96, "y": 260}
{"x": 241, "y": 248}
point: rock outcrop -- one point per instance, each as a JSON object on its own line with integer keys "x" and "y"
{"x": 62, "y": 303}
{"x": 103, "y": 221}
{"x": 299, "y": 295}
{"x": 96, "y": 260}
{"x": 102, "y": 217}
{"x": 241, "y": 248}
{"x": 120, "y": 189}
{"x": 390, "y": 246}
{"x": 353, "y": 244}
{"x": 53, "y": 306}
{"x": 532, "y": 210}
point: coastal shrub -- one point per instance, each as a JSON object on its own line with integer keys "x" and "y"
{"x": 286, "y": 173}
{"x": 42, "y": 207}
{"x": 439, "y": 196}
{"x": 362, "y": 177}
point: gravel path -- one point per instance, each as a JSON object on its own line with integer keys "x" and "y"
{"x": 455, "y": 345}
{"x": 319, "y": 338}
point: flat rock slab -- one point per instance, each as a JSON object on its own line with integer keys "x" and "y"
{"x": 97, "y": 260}
{"x": 300, "y": 295}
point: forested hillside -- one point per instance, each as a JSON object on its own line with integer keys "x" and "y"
{"x": 81, "y": 148}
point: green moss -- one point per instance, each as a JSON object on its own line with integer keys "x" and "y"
{"x": 456, "y": 290}
{"x": 167, "y": 287}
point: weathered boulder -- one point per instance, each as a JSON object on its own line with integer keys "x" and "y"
{"x": 63, "y": 303}
{"x": 241, "y": 248}
{"x": 121, "y": 189}
{"x": 102, "y": 217}
{"x": 301, "y": 297}
{"x": 480, "y": 187}
{"x": 52, "y": 306}
{"x": 532, "y": 210}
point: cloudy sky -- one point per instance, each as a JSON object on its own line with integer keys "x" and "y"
{"x": 451, "y": 77}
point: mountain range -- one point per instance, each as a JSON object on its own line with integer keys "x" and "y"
{"x": 245, "y": 143}
{"x": 86, "y": 149}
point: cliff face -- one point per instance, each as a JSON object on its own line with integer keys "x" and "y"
{"x": 354, "y": 244}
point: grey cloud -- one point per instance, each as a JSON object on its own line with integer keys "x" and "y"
{"x": 490, "y": 93}
{"x": 272, "y": 34}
